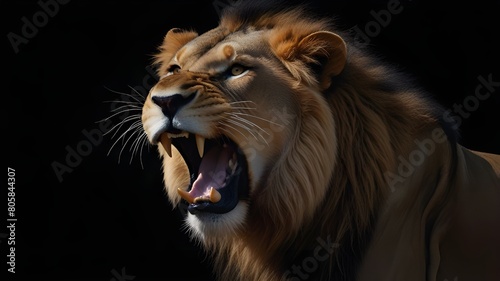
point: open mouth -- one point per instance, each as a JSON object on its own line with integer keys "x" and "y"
{"x": 218, "y": 169}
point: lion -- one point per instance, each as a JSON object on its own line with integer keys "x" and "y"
{"x": 300, "y": 155}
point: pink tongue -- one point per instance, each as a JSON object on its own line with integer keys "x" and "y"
{"x": 212, "y": 171}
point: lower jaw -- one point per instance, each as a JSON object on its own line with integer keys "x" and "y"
{"x": 230, "y": 196}
{"x": 214, "y": 227}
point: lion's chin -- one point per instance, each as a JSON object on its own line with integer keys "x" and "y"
{"x": 209, "y": 227}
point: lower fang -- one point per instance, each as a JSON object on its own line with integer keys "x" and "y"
{"x": 215, "y": 195}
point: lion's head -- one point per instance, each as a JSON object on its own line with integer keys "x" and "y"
{"x": 277, "y": 131}
{"x": 244, "y": 127}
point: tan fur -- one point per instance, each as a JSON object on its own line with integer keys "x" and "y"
{"x": 329, "y": 171}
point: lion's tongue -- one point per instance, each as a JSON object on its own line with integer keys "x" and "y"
{"x": 212, "y": 172}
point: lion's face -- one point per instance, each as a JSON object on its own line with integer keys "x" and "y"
{"x": 227, "y": 115}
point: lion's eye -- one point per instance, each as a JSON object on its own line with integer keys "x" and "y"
{"x": 173, "y": 69}
{"x": 237, "y": 70}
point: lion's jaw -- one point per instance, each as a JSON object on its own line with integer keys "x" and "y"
{"x": 248, "y": 105}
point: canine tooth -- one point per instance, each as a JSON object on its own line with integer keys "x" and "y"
{"x": 200, "y": 143}
{"x": 185, "y": 195}
{"x": 215, "y": 195}
{"x": 166, "y": 143}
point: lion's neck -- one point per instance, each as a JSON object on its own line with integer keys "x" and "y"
{"x": 376, "y": 122}
{"x": 375, "y": 126}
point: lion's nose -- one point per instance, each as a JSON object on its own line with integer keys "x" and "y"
{"x": 171, "y": 104}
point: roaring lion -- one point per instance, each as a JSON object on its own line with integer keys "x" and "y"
{"x": 301, "y": 156}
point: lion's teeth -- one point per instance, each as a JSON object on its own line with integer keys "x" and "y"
{"x": 200, "y": 144}
{"x": 215, "y": 195}
{"x": 185, "y": 195}
{"x": 166, "y": 143}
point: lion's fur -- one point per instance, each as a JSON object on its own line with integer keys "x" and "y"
{"x": 333, "y": 180}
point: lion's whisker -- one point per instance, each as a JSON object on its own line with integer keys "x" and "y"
{"x": 229, "y": 131}
{"x": 251, "y": 124}
{"x": 117, "y": 127}
{"x": 257, "y": 117}
{"x": 134, "y": 136}
{"x": 241, "y": 102}
{"x": 140, "y": 134}
{"x": 129, "y": 95}
{"x": 138, "y": 143}
{"x": 243, "y": 108}
{"x": 127, "y": 106}
{"x": 125, "y": 103}
{"x": 118, "y": 113}
{"x": 122, "y": 136}
{"x": 137, "y": 130}
{"x": 134, "y": 130}
{"x": 246, "y": 121}
{"x": 138, "y": 93}
{"x": 129, "y": 109}
{"x": 243, "y": 126}
{"x": 142, "y": 141}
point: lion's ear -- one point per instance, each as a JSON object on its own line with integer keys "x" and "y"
{"x": 176, "y": 38}
{"x": 328, "y": 49}
{"x": 173, "y": 41}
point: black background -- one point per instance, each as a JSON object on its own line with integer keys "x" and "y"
{"x": 107, "y": 218}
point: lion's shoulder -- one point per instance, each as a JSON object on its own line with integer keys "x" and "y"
{"x": 454, "y": 208}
